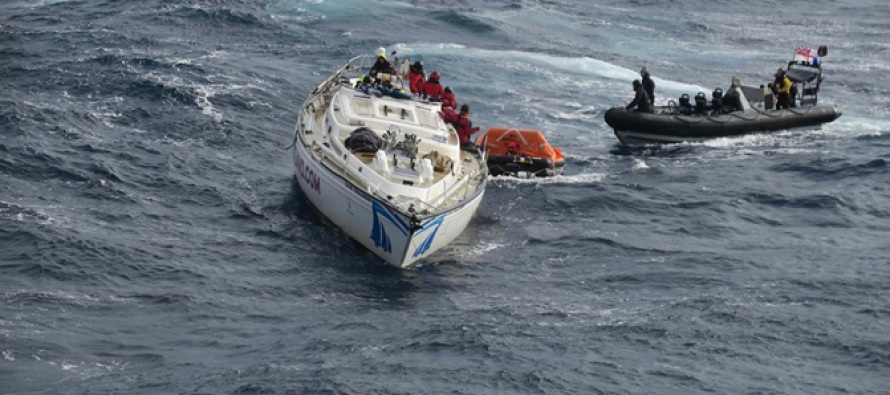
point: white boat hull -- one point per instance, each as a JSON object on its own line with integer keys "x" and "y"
{"x": 406, "y": 189}
{"x": 371, "y": 221}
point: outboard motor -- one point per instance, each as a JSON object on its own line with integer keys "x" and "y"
{"x": 701, "y": 103}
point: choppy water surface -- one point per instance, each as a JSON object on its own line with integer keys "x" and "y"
{"x": 153, "y": 238}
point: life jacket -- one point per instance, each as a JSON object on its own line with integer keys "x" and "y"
{"x": 785, "y": 86}
{"x": 449, "y": 115}
{"x": 433, "y": 90}
{"x": 449, "y": 100}
{"x": 464, "y": 127}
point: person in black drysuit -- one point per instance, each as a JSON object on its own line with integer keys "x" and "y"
{"x": 381, "y": 65}
{"x": 648, "y": 85}
{"x": 732, "y": 99}
{"x": 641, "y": 99}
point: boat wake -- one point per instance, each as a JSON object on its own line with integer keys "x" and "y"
{"x": 572, "y": 179}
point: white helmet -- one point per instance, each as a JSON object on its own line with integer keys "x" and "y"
{"x": 381, "y": 52}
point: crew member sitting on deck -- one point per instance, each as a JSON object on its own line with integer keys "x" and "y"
{"x": 448, "y": 99}
{"x": 463, "y": 126}
{"x": 387, "y": 89}
{"x": 381, "y": 65}
{"x": 432, "y": 89}
{"x": 416, "y": 77}
{"x": 366, "y": 85}
{"x": 448, "y": 114}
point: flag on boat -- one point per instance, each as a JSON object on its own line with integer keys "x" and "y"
{"x": 804, "y": 54}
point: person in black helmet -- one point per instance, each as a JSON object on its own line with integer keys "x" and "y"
{"x": 641, "y": 99}
{"x": 783, "y": 87}
{"x": 381, "y": 65}
{"x": 648, "y": 85}
{"x": 416, "y": 77}
{"x": 463, "y": 126}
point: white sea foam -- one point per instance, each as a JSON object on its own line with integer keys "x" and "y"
{"x": 36, "y": 3}
{"x": 203, "y": 92}
{"x": 581, "y": 114}
{"x": 582, "y": 68}
{"x": 640, "y": 164}
{"x": 482, "y": 249}
{"x": 562, "y": 179}
{"x": 29, "y": 213}
{"x": 859, "y": 126}
{"x": 90, "y": 369}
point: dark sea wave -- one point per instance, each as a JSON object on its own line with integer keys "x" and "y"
{"x": 153, "y": 239}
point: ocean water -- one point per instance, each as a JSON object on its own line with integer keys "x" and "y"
{"x": 153, "y": 239}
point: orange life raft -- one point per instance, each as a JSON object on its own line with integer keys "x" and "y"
{"x": 520, "y": 152}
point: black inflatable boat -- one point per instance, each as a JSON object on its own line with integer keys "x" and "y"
{"x": 666, "y": 126}
{"x": 752, "y": 111}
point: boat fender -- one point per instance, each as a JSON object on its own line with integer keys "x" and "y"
{"x": 426, "y": 169}
{"x": 380, "y": 163}
{"x": 768, "y": 100}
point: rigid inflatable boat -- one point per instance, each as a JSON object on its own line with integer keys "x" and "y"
{"x": 520, "y": 153}
{"x": 752, "y": 111}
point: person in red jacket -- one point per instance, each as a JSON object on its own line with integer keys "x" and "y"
{"x": 448, "y": 114}
{"x": 416, "y": 77}
{"x": 462, "y": 125}
{"x": 432, "y": 89}
{"x": 448, "y": 99}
